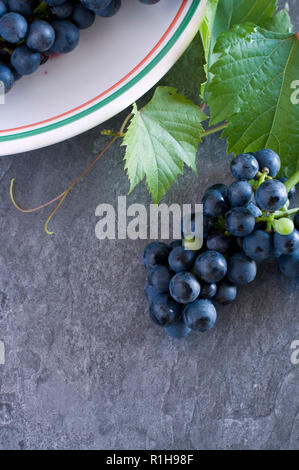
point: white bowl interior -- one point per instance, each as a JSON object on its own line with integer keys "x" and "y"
{"x": 107, "y": 52}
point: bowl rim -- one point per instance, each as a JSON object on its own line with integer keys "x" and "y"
{"x": 189, "y": 13}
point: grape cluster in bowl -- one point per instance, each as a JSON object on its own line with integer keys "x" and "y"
{"x": 32, "y": 30}
{"x": 243, "y": 224}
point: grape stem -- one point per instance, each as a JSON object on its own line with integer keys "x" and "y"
{"x": 277, "y": 215}
{"x": 292, "y": 181}
{"x": 61, "y": 197}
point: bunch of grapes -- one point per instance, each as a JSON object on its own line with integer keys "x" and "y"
{"x": 31, "y": 31}
{"x": 243, "y": 224}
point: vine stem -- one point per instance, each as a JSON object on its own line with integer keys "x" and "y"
{"x": 212, "y": 130}
{"x": 292, "y": 181}
{"x": 61, "y": 197}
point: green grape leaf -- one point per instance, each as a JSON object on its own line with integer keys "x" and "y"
{"x": 254, "y": 89}
{"x": 160, "y": 138}
{"x": 227, "y": 14}
{"x": 280, "y": 23}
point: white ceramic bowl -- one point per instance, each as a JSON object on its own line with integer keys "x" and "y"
{"x": 118, "y": 59}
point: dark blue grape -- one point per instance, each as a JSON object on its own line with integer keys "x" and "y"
{"x": 164, "y": 311}
{"x": 63, "y": 11}
{"x": 254, "y": 209}
{"x": 150, "y": 292}
{"x": 292, "y": 192}
{"x": 54, "y": 3}
{"x": 200, "y": 315}
{"x": 159, "y": 278}
{"x": 6, "y": 77}
{"x": 268, "y": 159}
{"x": 96, "y": 4}
{"x": 286, "y": 244}
{"x": 82, "y": 17}
{"x": 110, "y": 10}
{"x": 24, "y": 60}
{"x": 296, "y": 220}
{"x": 66, "y": 36}
{"x": 20, "y": 6}
{"x": 244, "y": 167}
{"x": 214, "y": 204}
{"x": 240, "y": 222}
{"x": 258, "y": 245}
{"x": 175, "y": 244}
{"x": 178, "y": 330}
{"x": 226, "y": 292}
{"x": 240, "y": 193}
{"x": 218, "y": 242}
{"x": 184, "y": 287}
{"x": 3, "y": 8}
{"x": 208, "y": 290}
{"x": 289, "y": 265}
{"x": 149, "y": 2}
{"x": 222, "y": 188}
{"x": 155, "y": 253}
{"x": 211, "y": 266}
{"x": 241, "y": 269}
{"x": 13, "y": 27}
{"x": 41, "y": 36}
{"x": 181, "y": 260}
{"x": 271, "y": 195}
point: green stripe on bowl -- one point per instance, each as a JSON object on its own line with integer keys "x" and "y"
{"x": 117, "y": 93}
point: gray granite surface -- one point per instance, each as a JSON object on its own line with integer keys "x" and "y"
{"x": 85, "y": 368}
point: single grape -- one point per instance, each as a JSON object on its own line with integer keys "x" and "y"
{"x": 226, "y": 292}
{"x": 20, "y": 6}
{"x": 184, "y": 287}
{"x": 214, "y": 204}
{"x": 54, "y": 3}
{"x": 149, "y": 2}
{"x": 96, "y": 4}
{"x": 254, "y": 209}
{"x": 271, "y": 195}
{"x": 211, "y": 266}
{"x": 218, "y": 242}
{"x": 292, "y": 191}
{"x": 24, "y": 60}
{"x": 284, "y": 226}
{"x": 201, "y": 315}
{"x": 240, "y": 193}
{"x": 181, "y": 260}
{"x": 222, "y": 188}
{"x": 3, "y": 8}
{"x": 241, "y": 269}
{"x": 240, "y": 222}
{"x": 6, "y": 77}
{"x": 164, "y": 311}
{"x": 66, "y": 36}
{"x": 286, "y": 244}
{"x": 178, "y": 330}
{"x": 83, "y": 17}
{"x": 159, "y": 278}
{"x": 150, "y": 292}
{"x": 268, "y": 159}
{"x": 63, "y": 11}
{"x": 175, "y": 244}
{"x": 244, "y": 167}
{"x": 155, "y": 253}
{"x": 296, "y": 220}
{"x": 41, "y": 36}
{"x": 258, "y": 245}
{"x": 289, "y": 265}
{"x": 208, "y": 290}
{"x": 110, "y": 10}
{"x": 13, "y": 27}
